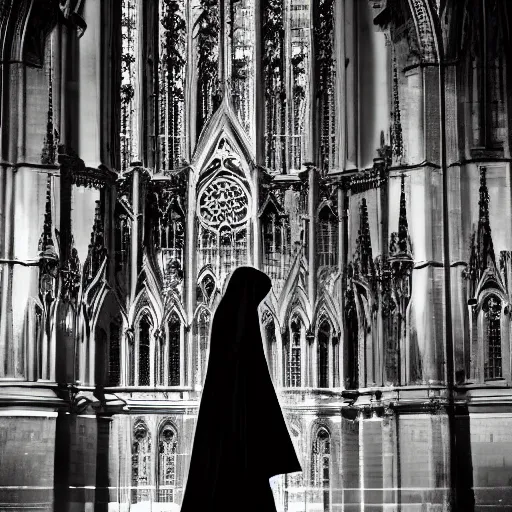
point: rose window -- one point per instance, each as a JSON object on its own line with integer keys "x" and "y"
{"x": 223, "y": 202}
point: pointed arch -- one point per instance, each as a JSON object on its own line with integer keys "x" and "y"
{"x": 167, "y": 461}
{"x": 224, "y": 125}
{"x": 174, "y": 348}
{"x": 292, "y": 351}
{"x": 324, "y": 352}
{"x": 327, "y": 235}
{"x": 269, "y": 329}
{"x": 202, "y": 324}
{"x": 141, "y": 462}
{"x": 321, "y": 467}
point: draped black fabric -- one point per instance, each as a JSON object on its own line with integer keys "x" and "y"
{"x": 241, "y": 439}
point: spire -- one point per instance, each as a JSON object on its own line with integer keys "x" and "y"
{"x": 97, "y": 251}
{"x": 48, "y": 153}
{"x": 364, "y": 257}
{"x": 482, "y": 255}
{"x": 46, "y": 246}
{"x": 485, "y": 248}
{"x": 403, "y": 225}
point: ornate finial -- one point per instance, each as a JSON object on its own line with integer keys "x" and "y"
{"x": 51, "y": 138}
{"x": 97, "y": 250}
{"x": 364, "y": 258}
{"x": 403, "y": 225}
{"x": 48, "y": 257}
{"x": 485, "y": 245}
{"x": 482, "y": 254}
{"x": 70, "y": 277}
{"x": 46, "y": 245}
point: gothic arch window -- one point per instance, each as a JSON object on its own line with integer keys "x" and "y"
{"x": 174, "y": 331}
{"x": 276, "y": 237}
{"x": 171, "y": 87}
{"x": 352, "y": 333}
{"x": 141, "y": 463}
{"x": 293, "y": 353}
{"x": 324, "y": 342}
{"x": 205, "y": 289}
{"x": 167, "y": 452}
{"x": 39, "y": 339}
{"x": 270, "y": 339}
{"x": 114, "y": 357}
{"x": 160, "y": 360}
{"x": 223, "y": 213}
{"x": 143, "y": 351}
{"x": 172, "y": 233}
{"x": 321, "y": 468}
{"x": 492, "y": 332}
{"x": 327, "y": 237}
{"x": 203, "y": 326}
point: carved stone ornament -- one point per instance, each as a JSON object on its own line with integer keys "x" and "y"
{"x": 74, "y": 169}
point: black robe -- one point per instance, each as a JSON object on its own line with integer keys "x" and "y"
{"x": 241, "y": 439}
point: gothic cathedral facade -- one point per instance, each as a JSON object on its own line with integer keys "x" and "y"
{"x": 357, "y": 151}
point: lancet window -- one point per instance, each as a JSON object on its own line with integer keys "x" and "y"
{"x": 143, "y": 356}
{"x": 203, "y": 325}
{"x": 172, "y": 51}
{"x": 172, "y": 233}
{"x": 493, "y": 354}
{"x": 287, "y": 48}
{"x": 276, "y": 244}
{"x": 324, "y": 341}
{"x": 114, "y": 359}
{"x": 327, "y": 237}
{"x": 141, "y": 463}
{"x": 167, "y": 450}
{"x": 39, "y": 339}
{"x": 321, "y": 467}
{"x": 293, "y": 354}
{"x": 174, "y": 329}
{"x": 270, "y": 338}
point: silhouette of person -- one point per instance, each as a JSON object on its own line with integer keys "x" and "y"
{"x": 241, "y": 439}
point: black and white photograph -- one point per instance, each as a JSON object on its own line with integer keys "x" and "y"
{"x": 255, "y": 255}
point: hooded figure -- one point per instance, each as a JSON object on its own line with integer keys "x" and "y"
{"x": 241, "y": 439}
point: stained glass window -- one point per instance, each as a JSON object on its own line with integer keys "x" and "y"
{"x": 144, "y": 348}
{"x": 174, "y": 350}
{"x": 324, "y": 334}
{"x": 493, "y": 355}
{"x": 167, "y": 448}
{"x": 141, "y": 463}
{"x": 327, "y": 237}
